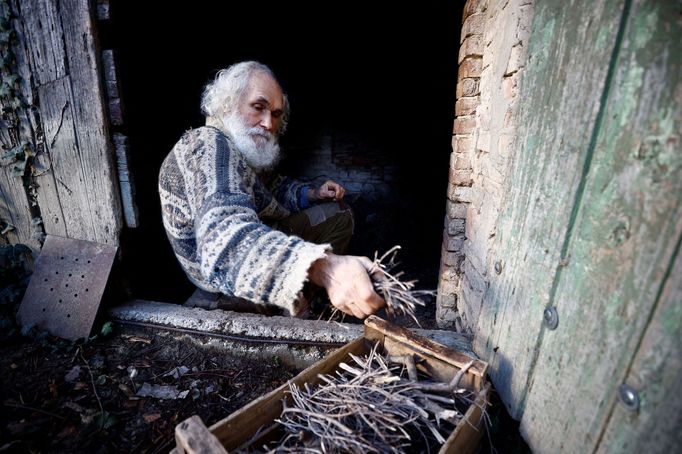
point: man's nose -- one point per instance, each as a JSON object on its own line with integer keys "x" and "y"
{"x": 266, "y": 120}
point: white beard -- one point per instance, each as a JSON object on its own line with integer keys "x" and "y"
{"x": 258, "y": 146}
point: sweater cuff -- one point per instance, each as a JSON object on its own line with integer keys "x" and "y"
{"x": 303, "y": 201}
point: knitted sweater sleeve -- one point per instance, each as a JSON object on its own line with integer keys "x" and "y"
{"x": 237, "y": 254}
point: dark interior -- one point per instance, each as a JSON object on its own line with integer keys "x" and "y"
{"x": 380, "y": 72}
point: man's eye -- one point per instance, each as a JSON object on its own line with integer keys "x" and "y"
{"x": 277, "y": 114}
{"x": 259, "y": 107}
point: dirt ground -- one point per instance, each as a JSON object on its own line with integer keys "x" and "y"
{"x": 61, "y": 396}
{"x": 126, "y": 388}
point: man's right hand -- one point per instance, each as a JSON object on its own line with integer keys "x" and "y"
{"x": 348, "y": 281}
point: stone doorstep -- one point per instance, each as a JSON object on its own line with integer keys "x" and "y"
{"x": 287, "y": 330}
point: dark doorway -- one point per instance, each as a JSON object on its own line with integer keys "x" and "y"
{"x": 375, "y": 83}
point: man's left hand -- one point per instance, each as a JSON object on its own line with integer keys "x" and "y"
{"x": 330, "y": 190}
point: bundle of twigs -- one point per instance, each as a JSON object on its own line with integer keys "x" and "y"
{"x": 369, "y": 407}
{"x": 400, "y": 296}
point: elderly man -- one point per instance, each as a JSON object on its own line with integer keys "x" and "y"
{"x": 239, "y": 230}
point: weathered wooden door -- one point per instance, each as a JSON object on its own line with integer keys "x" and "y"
{"x": 58, "y": 175}
{"x": 583, "y": 327}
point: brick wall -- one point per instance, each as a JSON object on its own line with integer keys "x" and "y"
{"x": 491, "y": 60}
{"x": 360, "y": 166}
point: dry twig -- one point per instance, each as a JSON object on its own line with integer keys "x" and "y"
{"x": 400, "y": 296}
{"x": 369, "y": 406}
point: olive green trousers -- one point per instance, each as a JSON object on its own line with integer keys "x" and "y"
{"x": 330, "y": 222}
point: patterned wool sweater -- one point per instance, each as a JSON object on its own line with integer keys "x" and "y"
{"x": 214, "y": 207}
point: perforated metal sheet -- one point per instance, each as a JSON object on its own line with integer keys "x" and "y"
{"x": 67, "y": 286}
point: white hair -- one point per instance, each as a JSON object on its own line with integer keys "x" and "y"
{"x": 222, "y": 94}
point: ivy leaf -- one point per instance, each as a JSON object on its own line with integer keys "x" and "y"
{"x": 26, "y": 330}
{"x": 8, "y": 228}
{"x": 28, "y": 149}
{"x": 107, "y": 329}
{"x": 13, "y": 154}
{"x": 5, "y": 89}
{"x": 107, "y": 420}
{"x": 12, "y": 79}
{"x": 19, "y": 169}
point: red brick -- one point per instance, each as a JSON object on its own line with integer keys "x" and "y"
{"x": 464, "y": 125}
{"x": 473, "y": 25}
{"x": 466, "y": 106}
{"x": 467, "y": 87}
{"x": 462, "y": 143}
{"x": 470, "y": 68}
{"x": 461, "y": 177}
{"x": 471, "y": 47}
{"x": 473, "y": 7}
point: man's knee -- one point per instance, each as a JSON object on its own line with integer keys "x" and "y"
{"x": 345, "y": 221}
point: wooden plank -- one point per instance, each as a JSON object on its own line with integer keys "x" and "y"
{"x": 126, "y": 182}
{"x": 466, "y": 437}
{"x": 14, "y": 210}
{"x": 566, "y": 68}
{"x": 90, "y": 120}
{"x": 621, "y": 246}
{"x": 425, "y": 346}
{"x": 44, "y": 39}
{"x": 70, "y": 208}
{"x": 656, "y": 373}
{"x": 15, "y": 206}
{"x": 103, "y": 8}
{"x": 193, "y": 437}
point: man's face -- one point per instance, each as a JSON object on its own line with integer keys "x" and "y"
{"x": 255, "y": 123}
{"x": 262, "y": 105}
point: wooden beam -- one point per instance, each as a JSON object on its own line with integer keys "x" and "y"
{"x": 66, "y": 204}
{"x": 90, "y": 120}
{"x": 193, "y": 437}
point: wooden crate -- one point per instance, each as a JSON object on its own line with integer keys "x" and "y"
{"x": 441, "y": 362}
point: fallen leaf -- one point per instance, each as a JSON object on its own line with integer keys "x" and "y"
{"x": 80, "y": 385}
{"x": 133, "y": 402}
{"x": 144, "y": 340}
{"x": 13, "y": 366}
{"x": 176, "y": 372}
{"x": 67, "y": 432}
{"x": 126, "y": 390}
{"x": 74, "y": 406}
{"x": 151, "y": 417}
{"x": 17, "y": 426}
{"x": 73, "y": 374}
{"x": 88, "y": 416}
{"x": 161, "y": 391}
{"x": 142, "y": 363}
{"x": 53, "y": 389}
